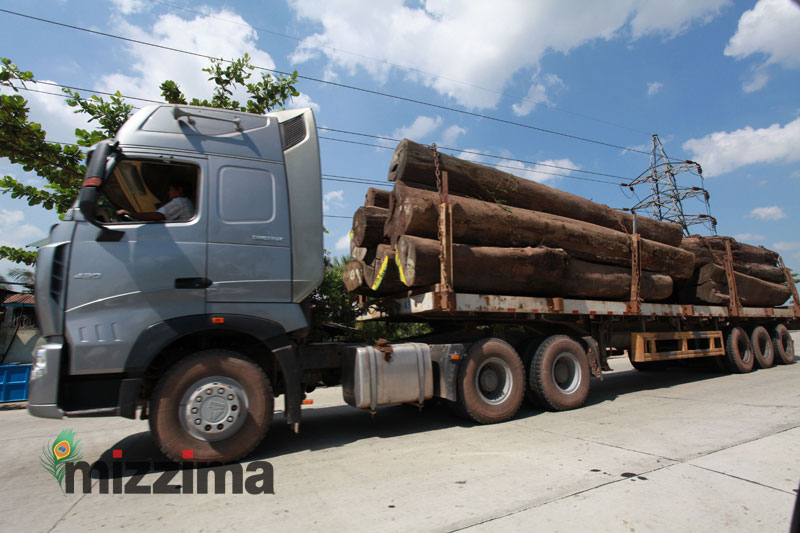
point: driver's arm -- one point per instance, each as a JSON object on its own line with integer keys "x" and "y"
{"x": 148, "y": 217}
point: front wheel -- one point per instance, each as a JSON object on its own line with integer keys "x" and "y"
{"x": 214, "y": 406}
{"x": 491, "y": 382}
{"x": 559, "y": 374}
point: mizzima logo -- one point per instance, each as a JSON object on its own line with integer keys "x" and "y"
{"x": 62, "y": 459}
{"x": 88, "y": 275}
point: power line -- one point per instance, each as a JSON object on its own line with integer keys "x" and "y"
{"x": 454, "y": 150}
{"x": 392, "y": 64}
{"x": 341, "y": 85}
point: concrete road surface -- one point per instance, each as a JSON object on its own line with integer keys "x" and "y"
{"x": 681, "y": 450}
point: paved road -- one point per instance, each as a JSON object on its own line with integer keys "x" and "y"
{"x": 671, "y": 451}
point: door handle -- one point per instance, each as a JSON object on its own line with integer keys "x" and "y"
{"x": 192, "y": 283}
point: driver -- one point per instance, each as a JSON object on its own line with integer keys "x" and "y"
{"x": 179, "y": 207}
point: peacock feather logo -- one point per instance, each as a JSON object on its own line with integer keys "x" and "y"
{"x": 55, "y": 456}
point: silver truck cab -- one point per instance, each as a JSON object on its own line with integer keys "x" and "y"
{"x": 120, "y": 298}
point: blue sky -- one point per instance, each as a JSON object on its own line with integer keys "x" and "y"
{"x": 718, "y": 80}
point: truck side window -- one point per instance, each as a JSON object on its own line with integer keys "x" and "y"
{"x": 149, "y": 191}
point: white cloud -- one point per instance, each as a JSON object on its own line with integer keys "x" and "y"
{"x": 541, "y": 172}
{"x": 450, "y": 135}
{"x": 722, "y": 152}
{"x": 537, "y": 94}
{"x": 332, "y": 199}
{"x": 772, "y": 212}
{"x": 203, "y": 35}
{"x": 748, "y": 237}
{"x": 653, "y": 87}
{"x": 786, "y": 246}
{"x": 129, "y": 7}
{"x": 15, "y": 232}
{"x": 343, "y": 244}
{"x": 420, "y": 128}
{"x": 770, "y": 29}
{"x": 465, "y": 41}
{"x": 302, "y": 101}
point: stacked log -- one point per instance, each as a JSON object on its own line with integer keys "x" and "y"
{"x": 759, "y": 281}
{"x": 511, "y": 236}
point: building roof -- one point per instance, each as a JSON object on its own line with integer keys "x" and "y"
{"x": 17, "y": 300}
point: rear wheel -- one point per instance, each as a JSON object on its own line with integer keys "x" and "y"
{"x": 763, "y": 349}
{"x": 784, "y": 345}
{"x": 527, "y": 351}
{"x": 491, "y": 382}
{"x": 560, "y": 374}
{"x": 214, "y": 406}
{"x": 738, "y": 351}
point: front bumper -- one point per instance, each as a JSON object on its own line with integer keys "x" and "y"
{"x": 43, "y": 386}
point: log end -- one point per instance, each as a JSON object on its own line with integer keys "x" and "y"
{"x": 398, "y": 163}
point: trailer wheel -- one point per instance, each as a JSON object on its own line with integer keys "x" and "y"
{"x": 784, "y": 345}
{"x": 491, "y": 382}
{"x": 527, "y": 351}
{"x": 738, "y": 351}
{"x": 217, "y": 404}
{"x": 763, "y": 349}
{"x": 560, "y": 374}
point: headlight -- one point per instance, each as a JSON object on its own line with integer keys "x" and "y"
{"x": 39, "y": 368}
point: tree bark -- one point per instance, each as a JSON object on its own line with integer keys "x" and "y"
{"x": 377, "y": 198}
{"x": 368, "y": 223}
{"x": 522, "y": 271}
{"x": 712, "y": 249}
{"x": 413, "y": 164}
{"x": 480, "y": 223}
{"x": 712, "y": 288}
{"x": 353, "y": 275}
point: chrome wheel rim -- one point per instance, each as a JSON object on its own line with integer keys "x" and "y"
{"x": 213, "y": 408}
{"x": 493, "y": 380}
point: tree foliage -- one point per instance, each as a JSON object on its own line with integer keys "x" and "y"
{"x": 62, "y": 167}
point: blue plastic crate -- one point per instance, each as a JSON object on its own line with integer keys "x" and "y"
{"x": 14, "y": 382}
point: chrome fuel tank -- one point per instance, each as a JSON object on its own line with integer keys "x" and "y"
{"x": 373, "y": 377}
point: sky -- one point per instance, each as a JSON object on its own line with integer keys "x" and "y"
{"x": 565, "y": 93}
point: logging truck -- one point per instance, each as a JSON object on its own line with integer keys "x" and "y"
{"x": 199, "y": 321}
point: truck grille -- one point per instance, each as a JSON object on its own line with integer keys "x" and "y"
{"x": 58, "y": 273}
{"x": 293, "y": 132}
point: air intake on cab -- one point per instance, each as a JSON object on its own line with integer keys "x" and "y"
{"x": 293, "y": 132}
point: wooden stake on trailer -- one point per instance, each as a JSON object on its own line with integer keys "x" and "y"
{"x": 446, "y": 293}
{"x": 634, "y": 305}
{"x": 792, "y": 287}
{"x": 734, "y": 305}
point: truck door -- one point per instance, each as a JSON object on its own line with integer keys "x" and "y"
{"x": 147, "y": 273}
{"x": 249, "y": 239}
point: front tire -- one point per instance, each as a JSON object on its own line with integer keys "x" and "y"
{"x": 215, "y": 404}
{"x": 491, "y": 382}
{"x": 560, "y": 375}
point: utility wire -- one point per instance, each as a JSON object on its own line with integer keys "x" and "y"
{"x": 392, "y": 64}
{"x": 341, "y": 85}
{"x": 455, "y": 150}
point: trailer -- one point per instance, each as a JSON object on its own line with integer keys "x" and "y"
{"x": 196, "y": 318}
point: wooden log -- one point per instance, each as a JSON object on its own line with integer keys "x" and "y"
{"x": 769, "y": 273}
{"x": 709, "y": 250}
{"x": 368, "y": 222}
{"x": 522, "y": 271}
{"x": 377, "y": 198}
{"x": 488, "y": 224}
{"x": 413, "y": 163}
{"x": 353, "y": 275}
{"x": 383, "y": 276}
{"x": 712, "y": 288}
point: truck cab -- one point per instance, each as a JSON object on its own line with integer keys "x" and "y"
{"x": 121, "y": 299}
